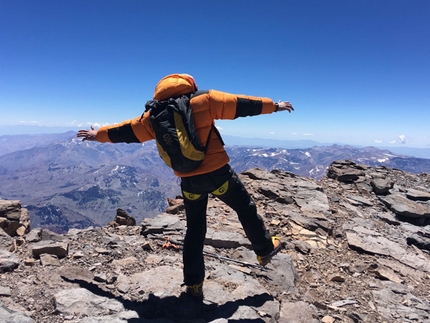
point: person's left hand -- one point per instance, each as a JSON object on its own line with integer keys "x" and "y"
{"x": 89, "y": 135}
{"x": 285, "y": 106}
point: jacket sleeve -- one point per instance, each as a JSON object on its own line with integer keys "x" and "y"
{"x": 135, "y": 130}
{"x": 231, "y": 106}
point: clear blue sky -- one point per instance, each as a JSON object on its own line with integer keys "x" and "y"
{"x": 357, "y": 71}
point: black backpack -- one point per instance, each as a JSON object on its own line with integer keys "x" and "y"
{"x": 177, "y": 140}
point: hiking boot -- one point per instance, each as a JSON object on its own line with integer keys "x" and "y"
{"x": 195, "y": 290}
{"x": 277, "y": 245}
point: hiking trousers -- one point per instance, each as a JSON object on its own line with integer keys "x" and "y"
{"x": 226, "y": 185}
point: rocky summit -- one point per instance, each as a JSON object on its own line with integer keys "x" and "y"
{"x": 356, "y": 249}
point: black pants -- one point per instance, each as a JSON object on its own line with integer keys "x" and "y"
{"x": 224, "y": 184}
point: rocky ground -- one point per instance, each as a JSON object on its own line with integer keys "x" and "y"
{"x": 356, "y": 250}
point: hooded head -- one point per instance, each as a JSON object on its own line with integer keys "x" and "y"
{"x": 174, "y": 85}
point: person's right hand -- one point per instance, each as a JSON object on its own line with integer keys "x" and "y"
{"x": 285, "y": 106}
{"x": 89, "y": 135}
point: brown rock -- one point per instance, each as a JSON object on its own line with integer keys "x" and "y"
{"x": 123, "y": 218}
{"x": 60, "y": 249}
{"x": 336, "y": 278}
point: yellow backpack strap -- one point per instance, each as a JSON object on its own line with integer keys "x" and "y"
{"x": 221, "y": 190}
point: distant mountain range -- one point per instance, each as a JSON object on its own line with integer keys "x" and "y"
{"x": 301, "y": 144}
{"x": 67, "y": 183}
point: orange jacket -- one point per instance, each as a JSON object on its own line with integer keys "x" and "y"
{"x": 207, "y": 106}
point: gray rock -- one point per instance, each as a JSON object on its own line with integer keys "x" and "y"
{"x": 101, "y": 277}
{"x": 75, "y": 274}
{"x": 376, "y": 244}
{"x": 381, "y": 186}
{"x": 8, "y": 261}
{"x": 9, "y": 206}
{"x": 14, "y": 219}
{"x": 390, "y": 302}
{"x": 6, "y": 240}
{"x": 312, "y": 203}
{"x": 302, "y": 246}
{"x": 298, "y": 312}
{"x": 280, "y": 271}
{"x": 123, "y": 284}
{"x": 49, "y": 260}
{"x": 5, "y": 291}
{"x": 80, "y": 301}
{"x": 219, "y": 321}
{"x": 311, "y": 223}
{"x": 163, "y": 281}
{"x": 14, "y": 215}
{"x": 226, "y": 239}
{"x": 60, "y": 249}
{"x": 270, "y": 190}
{"x": 405, "y": 207}
{"x": 123, "y": 218}
{"x": 344, "y": 302}
{"x": 417, "y": 195}
{"x": 225, "y": 273}
{"x": 420, "y": 240}
{"x": 162, "y": 223}
{"x": 34, "y": 235}
{"x": 10, "y": 316}
{"x": 47, "y": 235}
{"x": 345, "y": 171}
{"x": 245, "y": 313}
{"x": 260, "y": 174}
{"x": 284, "y": 275}
{"x": 359, "y": 200}
{"x": 389, "y": 218}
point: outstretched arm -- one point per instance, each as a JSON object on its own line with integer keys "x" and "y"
{"x": 129, "y": 131}
{"x": 89, "y": 135}
{"x": 229, "y": 106}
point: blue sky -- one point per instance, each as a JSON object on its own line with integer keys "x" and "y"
{"x": 357, "y": 71}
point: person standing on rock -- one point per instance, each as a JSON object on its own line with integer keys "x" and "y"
{"x": 213, "y": 176}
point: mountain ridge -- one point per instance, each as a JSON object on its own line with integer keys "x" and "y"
{"x": 25, "y": 139}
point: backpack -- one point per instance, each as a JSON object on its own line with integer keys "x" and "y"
{"x": 177, "y": 140}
